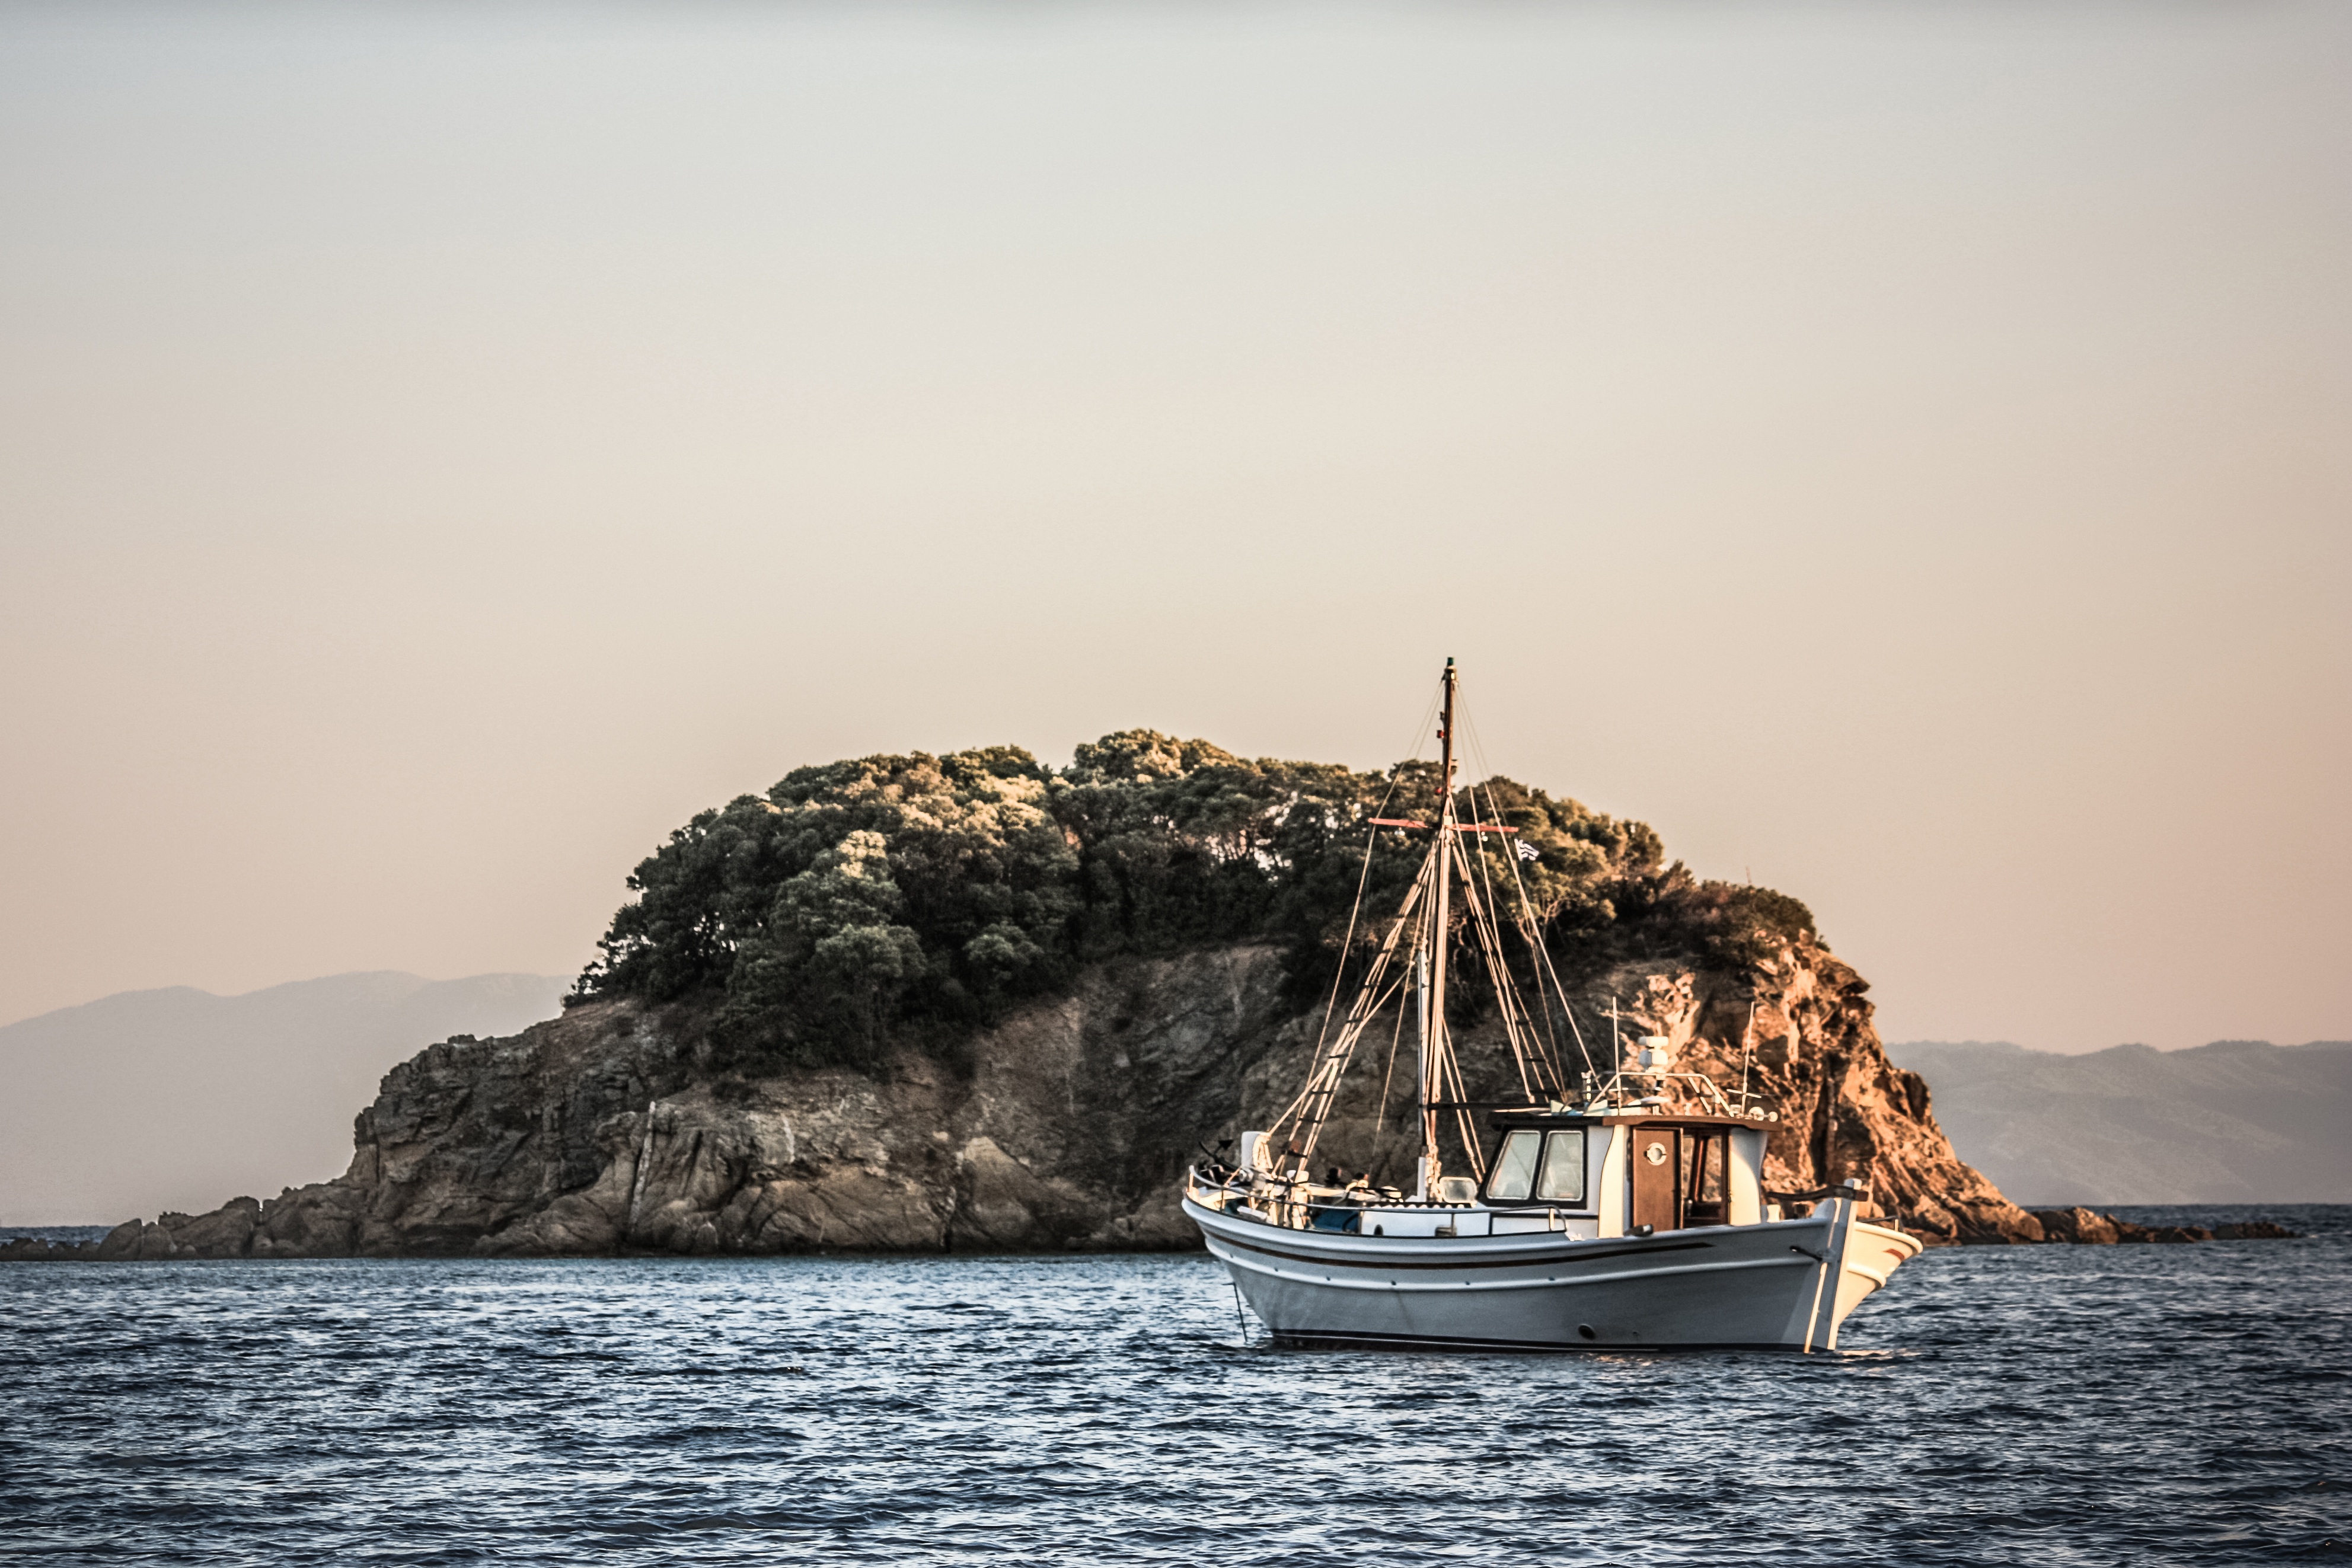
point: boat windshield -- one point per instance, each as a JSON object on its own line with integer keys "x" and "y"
{"x": 1515, "y": 1167}
{"x": 1563, "y": 1167}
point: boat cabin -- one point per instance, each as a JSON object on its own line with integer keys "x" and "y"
{"x": 1628, "y": 1172}
{"x": 1635, "y": 1148}
{"x": 1601, "y": 1171}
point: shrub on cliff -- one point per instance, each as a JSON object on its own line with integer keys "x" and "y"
{"x": 858, "y": 896}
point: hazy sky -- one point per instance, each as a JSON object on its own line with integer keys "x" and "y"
{"x": 1902, "y": 451}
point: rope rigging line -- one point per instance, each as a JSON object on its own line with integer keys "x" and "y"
{"x": 1541, "y": 953}
{"x": 1581, "y": 1049}
{"x": 1522, "y": 918}
{"x": 1534, "y": 1051}
{"x": 1493, "y": 933}
{"x": 1355, "y": 909}
{"x": 1347, "y": 942}
{"x": 1326, "y": 1087}
{"x": 1388, "y": 1076}
{"x": 1307, "y": 1112}
{"x": 1452, "y": 1071}
{"x": 1513, "y": 1010}
{"x": 1526, "y": 922}
{"x": 1363, "y": 879}
{"x": 1518, "y": 1026}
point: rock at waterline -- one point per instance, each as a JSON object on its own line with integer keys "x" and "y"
{"x": 2087, "y": 1228}
{"x": 1066, "y": 1126}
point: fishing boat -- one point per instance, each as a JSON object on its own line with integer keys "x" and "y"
{"x": 1627, "y": 1212}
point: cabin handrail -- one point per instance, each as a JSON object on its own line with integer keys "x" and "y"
{"x": 1846, "y": 1188}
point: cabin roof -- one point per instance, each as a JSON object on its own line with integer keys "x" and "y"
{"x": 1539, "y": 1116}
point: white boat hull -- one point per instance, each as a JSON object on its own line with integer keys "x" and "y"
{"x": 1782, "y": 1285}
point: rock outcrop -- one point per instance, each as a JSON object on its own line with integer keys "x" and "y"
{"x": 2088, "y": 1228}
{"x": 1798, "y": 1029}
{"x": 1066, "y": 1126}
{"x": 603, "y": 1131}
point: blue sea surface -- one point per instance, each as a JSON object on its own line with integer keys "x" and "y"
{"x": 2047, "y": 1405}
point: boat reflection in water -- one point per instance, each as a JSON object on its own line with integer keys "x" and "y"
{"x": 1631, "y": 1212}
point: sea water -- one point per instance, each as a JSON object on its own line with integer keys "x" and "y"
{"x": 2026, "y": 1405}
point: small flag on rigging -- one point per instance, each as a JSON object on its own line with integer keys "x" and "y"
{"x": 1527, "y": 852}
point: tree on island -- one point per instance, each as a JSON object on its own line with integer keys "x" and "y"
{"x": 860, "y": 897}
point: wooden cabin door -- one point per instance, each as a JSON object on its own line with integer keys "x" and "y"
{"x": 1657, "y": 1170}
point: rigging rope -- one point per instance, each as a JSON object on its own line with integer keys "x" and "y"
{"x": 1523, "y": 918}
{"x": 1527, "y": 928}
{"x": 1307, "y": 1112}
{"x": 1355, "y": 908}
{"x": 1512, "y": 1009}
{"x": 1492, "y": 932}
{"x": 1388, "y": 1075}
{"x": 1534, "y": 1051}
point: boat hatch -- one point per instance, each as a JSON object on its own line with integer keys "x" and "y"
{"x": 1655, "y": 1166}
{"x": 1679, "y": 1175}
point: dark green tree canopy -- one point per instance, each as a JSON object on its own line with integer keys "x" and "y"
{"x": 856, "y": 895}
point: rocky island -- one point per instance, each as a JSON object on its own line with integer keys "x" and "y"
{"x": 970, "y": 1003}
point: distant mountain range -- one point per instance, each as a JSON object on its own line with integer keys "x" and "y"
{"x": 172, "y": 1099}
{"x": 2239, "y": 1121}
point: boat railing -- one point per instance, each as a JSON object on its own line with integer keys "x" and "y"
{"x": 1853, "y": 1191}
{"x": 1280, "y": 1201}
{"x": 1666, "y": 1091}
{"x": 1291, "y": 1204}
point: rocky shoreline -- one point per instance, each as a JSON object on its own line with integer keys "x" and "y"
{"x": 229, "y": 1232}
{"x": 2084, "y": 1226}
{"x": 1065, "y": 1127}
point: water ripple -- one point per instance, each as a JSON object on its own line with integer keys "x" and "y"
{"x": 2031, "y": 1405}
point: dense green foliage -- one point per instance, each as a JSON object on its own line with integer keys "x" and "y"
{"x": 884, "y": 890}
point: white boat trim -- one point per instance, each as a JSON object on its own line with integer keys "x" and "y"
{"x": 1524, "y": 1285}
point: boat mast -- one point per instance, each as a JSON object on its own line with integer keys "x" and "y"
{"x": 1421, "y": 1057}
{"x": 1434, "y": 992}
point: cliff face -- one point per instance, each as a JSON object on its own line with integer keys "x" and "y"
{"x": 1813, "y": 1052}
{"x": 1067, "y": 1127}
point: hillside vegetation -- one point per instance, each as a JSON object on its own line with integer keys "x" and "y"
{"x": 864, "y": 896}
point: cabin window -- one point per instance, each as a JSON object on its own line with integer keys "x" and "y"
{"x": 1515, "y": 1167}
{"x": 1562, "y": 1180}
{"x": 1707, "y": 1172}
{"x": 1703, "y": 1196}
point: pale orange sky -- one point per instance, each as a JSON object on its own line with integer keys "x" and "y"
{"x": 1899, "y": 450}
